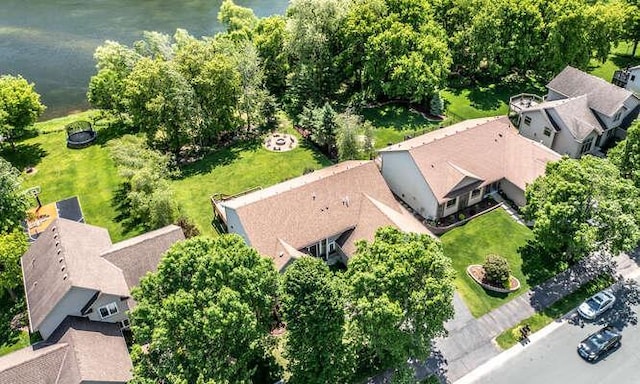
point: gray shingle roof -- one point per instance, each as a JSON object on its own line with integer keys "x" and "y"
{"x": 65, "y": 256}
{"x": 604, "y": 97}
{"x": 575, "y": 113}
{"x": 79, "y": 351}
{"x": 142, "y": 254}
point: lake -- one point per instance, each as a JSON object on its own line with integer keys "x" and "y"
{"x": 51, "y": 42}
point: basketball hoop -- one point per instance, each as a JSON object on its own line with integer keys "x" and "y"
{"x": 35, "y": 191}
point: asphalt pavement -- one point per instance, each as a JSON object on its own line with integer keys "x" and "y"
{"x": 554, "y": 359}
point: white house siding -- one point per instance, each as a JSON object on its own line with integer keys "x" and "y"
{"x": 553, "y": 95}
{"x": 477, "y": 198}
{"x": 70, "y": 305}
{"x": 105, "y": 299}
{"x": 406, "y": 181}
{"x": 513, "y": 192}
{"x": 234, "y": 225}
{"x": 535, "y": 129}
{"x": 452, "y": 209}
{"x": 634, "y": 85}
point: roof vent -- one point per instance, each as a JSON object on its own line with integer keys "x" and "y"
{"x": 57, "y": 243}
{"x": 63, "y": 268}
{"x": 53, "y": 229}
{"x": 281, "y": 254}
{"x": 55, "y": 236}
{"x": 313, "y": 196}
{"x": 65, "y": 277}
{"x": 500, "y": 134}
{"x": 58, "y": 251}
{"x": 60, "y": 260}
{"x": 35, "y": 283}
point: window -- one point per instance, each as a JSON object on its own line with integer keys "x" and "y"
{"x": 124, "y": 324}
{"x": 616, "y": 117}
{"x": 586, "y": 146}
{"x": 633, "y": 77}
{"x": 527, "y": 120}
{"x": 451, "y": 203}
{"x": 108, "y": 310}
{"x": 547, "y": 131}
{"x": 475, "y": 193}
{"x": 332, "y": 246}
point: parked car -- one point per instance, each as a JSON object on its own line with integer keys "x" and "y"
{"x": 596, "y": 305}
{"x": 598, "y": 343}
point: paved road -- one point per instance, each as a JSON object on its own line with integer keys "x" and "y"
{"x": 554, "y": 359}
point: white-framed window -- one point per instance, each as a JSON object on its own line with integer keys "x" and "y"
{"x": 475, "y": 193}
{"x": 332, "y": 246}
{"x": 527, "y": 120}
{"x": 547, "y": 131}
{"x": 108, "y": 310}
{"x": 451, "y": 203}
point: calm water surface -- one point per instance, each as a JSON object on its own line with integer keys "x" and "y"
{"x": 51, "y": 43}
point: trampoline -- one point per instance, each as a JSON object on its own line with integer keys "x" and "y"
{"x": 80, "y": 134}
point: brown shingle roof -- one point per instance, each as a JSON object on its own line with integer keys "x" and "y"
{"x": 310, "y": 208}
{"x": 604, "y": 97}
{"x": 79, "y": 351}
{"x": 142, "y": 254}
{"x": 66, "y": 255}
{"x": 487, "y": 149}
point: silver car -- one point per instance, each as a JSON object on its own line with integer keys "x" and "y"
{"x": 596, "y": 305}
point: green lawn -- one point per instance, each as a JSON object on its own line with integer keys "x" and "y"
{"x": 511, "y": 336}
{"x": 392, "y": 122}
{"x": 492, "y": 233}
{"x": 620, "y": 57}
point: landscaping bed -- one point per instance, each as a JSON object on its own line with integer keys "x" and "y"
{"x": 492, "y": 233}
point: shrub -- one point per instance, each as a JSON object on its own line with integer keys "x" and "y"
{"x": 497, "y": 271}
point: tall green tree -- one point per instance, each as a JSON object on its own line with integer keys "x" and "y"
{"x": 205, "y": 315}
{"x": 631, "y": 27}
{"x": 313, "y": 308}
{"x": 347, "y": 136}
{"x": 400, "y": 289}
{"x": 12, "y": 246}
{"x": 269, "y": 37}
{"x": 162, "y": 104}
{"x": 626, "y": 154}
{"x": 582, "y": 205}
{"x": 240, "y": 21}
{"x": 20, "y": 107}
{"x": 13, "y": 200}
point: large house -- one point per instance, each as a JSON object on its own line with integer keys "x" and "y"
{"x": 579, "y": 114}
{"x": 77, "y": 286}
{"x": 321, "y": 214}
{"x": 441, "y": 172}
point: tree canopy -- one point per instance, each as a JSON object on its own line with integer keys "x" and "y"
{"x": 20, "y": 106}
{"x": 13, "y": 200}
{"x": 205, "y": 315}
{"x": 626, "y": 154}
{"x": 580, "y": 206}
{"x": 12, "y": 246}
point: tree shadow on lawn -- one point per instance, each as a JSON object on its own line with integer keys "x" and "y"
{"x": 23, "y": 155}
{"x": 396, "y": 116}
{"x": 219, "y": 157}
{"x": 111, "y": 131}
{"x": 122, "y": 207}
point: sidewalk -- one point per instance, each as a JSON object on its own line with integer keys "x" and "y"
{"x": 470, "y": 341}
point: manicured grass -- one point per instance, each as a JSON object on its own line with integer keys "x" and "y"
{"x": 393, "y": 122}
{"x": 511, "y": 336}
{"x": 88, "y": 173}
{"x": 19, "y": 342}
{"x": 235, "y": 170}
{"x": 492, "y": 233}
{"x": 620, "y": 57}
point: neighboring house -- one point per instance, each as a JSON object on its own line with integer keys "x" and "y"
{"x": 579, "y": 114}
{"x": 77, "y": 285}
{"x": 321, "y": 214}
{"x": 441, "y": 172}
{"x": 628, "y": 78}
{"x": 79, "y": 351}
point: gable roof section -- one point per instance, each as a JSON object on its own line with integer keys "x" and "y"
{"x": 142, "y": 254}
{"x": 65, "y": 256}
{"x": 289, "y": 216}
{"x": 79, "y": 351}
{"x": 487, "y": 150}
{"x": 604, "y": 97}
{"x": 575, "y": 113}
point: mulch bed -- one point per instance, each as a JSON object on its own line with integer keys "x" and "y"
{"x": 479, "y": 274}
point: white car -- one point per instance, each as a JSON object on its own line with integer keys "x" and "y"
{"x": 596, "y": 305}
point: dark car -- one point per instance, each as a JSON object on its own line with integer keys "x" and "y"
{"x": 598, "y": 343}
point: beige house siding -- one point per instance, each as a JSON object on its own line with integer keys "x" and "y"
{"x": 70, "y": 305}
{"x": 105, "y": 299}
{"x": 513, "y": 192}
{"x": 407, "y": 182}
{"x": 535, "y": 129}
{"x": 234, "y": 225}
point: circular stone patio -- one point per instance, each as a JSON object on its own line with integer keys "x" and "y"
{"x": 280, "y": 142}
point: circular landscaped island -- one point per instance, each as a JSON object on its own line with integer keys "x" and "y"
{"x": 494, "y": 275}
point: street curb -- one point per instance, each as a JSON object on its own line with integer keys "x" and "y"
{"x": 508, "y": 354}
